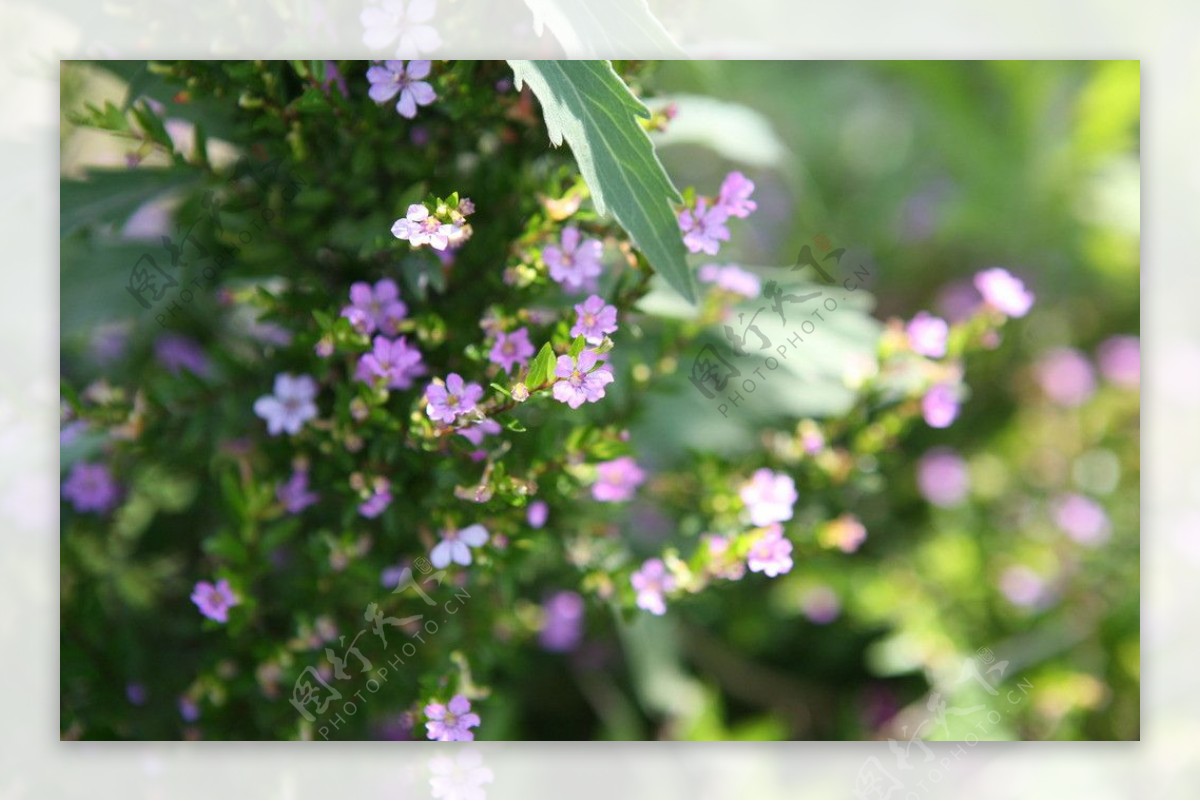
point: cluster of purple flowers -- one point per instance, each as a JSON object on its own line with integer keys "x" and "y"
{"x": 443, "y": 229}
{"x": 704, "y": 222}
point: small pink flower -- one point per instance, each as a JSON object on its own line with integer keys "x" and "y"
{"x": 580, "y": 380}
{"x": 574, "y": 262}
{"x": 214, "y": 602}
{"x": 452, "y": 721}
{"x": 595, "y": 320}
{"x": 769, "y": 497}
{"x": 511, "y": 349}
{"x": 771, "y": 553}
{"x": 651, "y": 582}
{"x": 1004, "y": 292}
{"x": 452, "y": 399}
{"x": 927, "y": 335}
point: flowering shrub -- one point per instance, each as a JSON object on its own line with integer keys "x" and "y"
{"x": 392, "y": 442}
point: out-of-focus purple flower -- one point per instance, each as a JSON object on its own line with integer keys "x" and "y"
{"x": 403, "y": 22}
{"x": 704, "y": 227}
{"x": 391, "y": 576}
{"x": 769, "y": 497}
{"x": 452, "y": 399}
{"x": 821, "y": 605}
{"x": 294, "y": 493}
{"x": 420, "y": 227}
{"x": 732, "y": 279}
{"x": 511, "y": 349}
{"x": 942, "y": 477}
{"x": 562, "y": 626}
{"x": 1004, "y": 292}
{"x": 1023, "y": 587}
{"x": 380, "y": 500}
{"x": 651, "y": 583}
{"x": 1066, "y": 376}
{"x": 71, "y": 433}
{"x": 721, "y": 560}
{"x": 811, "y": 438}
{"x": 291, "y": 406}
{"x": 940, "y": 406}
{"x": 334, "y": 77}
{"x": 578, "y": 382}
{"x": 476, "y": 433}
{"x": 136, "y": 693}
{"x": 617, "y": 480}
{"x": 771, "y": 553}
{"x": 1082, "y": 519}
{"x": 846, "y": 533}
{"x": 456, "y": 546}
{"x": 109, "y": 342}
{"x": 574, "y": 262}
{"x": 393, "y": 77}
{"x": 927, "y": 335}
{"x": 378, "y": 309}
{"x": 595, "y": 319}
{"x": 214, "y": 601}
{"x": 189, "y": 710}
{"x": 958, "y": 301}
{"x": 537, "y": 513}
{"x": 394, "y": 360}
{"x": 452, "y": 721}
{"x": 91, "y": 488}
{"x": 1120, "y": 359}
{"x": 734, "y": 196}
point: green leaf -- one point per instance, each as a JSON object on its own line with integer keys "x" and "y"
{"x": 541, "y": 368}
{"x": 617, "y": 28}
{"x": 112, "y": 196}
{"x": 587, "y": 103}
{"x": 577, "y": 347}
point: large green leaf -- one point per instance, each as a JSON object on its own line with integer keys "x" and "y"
{"x": 587, "y": 103}
{"x": 615, "y": 28}
{"x": 112, "y": 196}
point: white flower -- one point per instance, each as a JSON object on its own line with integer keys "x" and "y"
{"x": 291, "y": 406}
{"x": 394, "y": 20}
{"x": 453, "y": 547}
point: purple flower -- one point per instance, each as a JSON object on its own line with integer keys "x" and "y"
{"x": 188, "y": 709}
{"x": 91, "y": 488}
{"x": 942, "y": 477}
{"x": 1082, "y": 519}
{"x": 294, "y": 494}
{"x": 821, "y": 605}
{"x": 451, "y": 722}
{"x": 214, "y": 602}
{"x": 721, "y": 560}
{"x": 291, "y": 406}
{"x": 703, "y": 227}
{"x": 731, "y": 279}
{"x": 136, "y": 693}
{"x": 511, "y": 349}
{"x": 940, "y": 406}
{"x": 380, "y": 500}
{"x": 846, "y": 533}
{"x": 595, "y": 319}
{"x": 562, "y": 626}
{"x": 578, "y": 382}
{"x": 617, "y": 480}
{"x": 420, "y": 227}
{"x": 573, "y": 263}
{"x": 394, "y": 360}
{"x": 448, "y": 401}
{"x": 380, "y": 309}
{"x": 650, "y": 583}
{"x": 175, "y": 353}
{"x": 927, "y": 335}
{"x": 769, "y": 497}
{"x": 477, "y": 432}
{"x": 734, "y": 196}
{"x": 1066, "y": 376}
{"x": 1120, "y": 359}
{"x": 771, "y": 553}
{"x": 456, "y": 546}
{"x": 1004, "y": 292}
{"x": 393, "y": 77}
{"x": 537, "y": 513}
{"x": 405, "y": 21}
{"x": 1023, "y": 587}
